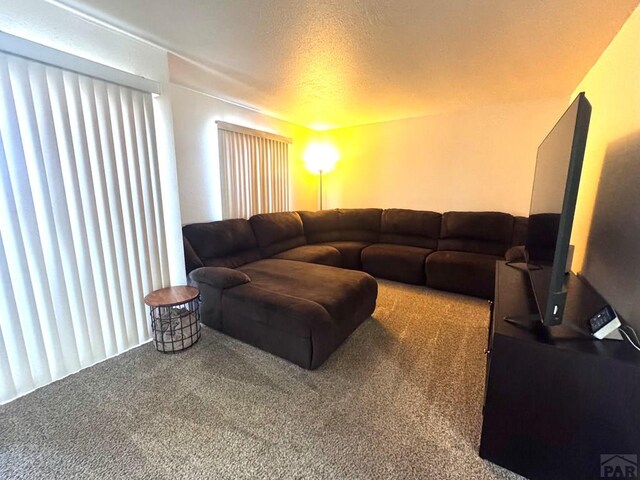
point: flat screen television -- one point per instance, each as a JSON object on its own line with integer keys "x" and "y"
{"x": 553, "y": 204}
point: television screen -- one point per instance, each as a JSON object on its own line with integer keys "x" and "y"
{"x": 553, "y": 203}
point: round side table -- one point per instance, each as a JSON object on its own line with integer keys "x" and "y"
{"x": 175, "y": 317}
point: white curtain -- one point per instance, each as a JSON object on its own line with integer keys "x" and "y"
{"x": 254, "y": 171}
{"x": 82, "y": 237}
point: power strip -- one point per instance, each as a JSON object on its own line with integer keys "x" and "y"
{"x": 605, "y": 324}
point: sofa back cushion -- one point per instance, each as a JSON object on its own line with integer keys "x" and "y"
{"x": 410, "y": 227}
{"x": 520, "y": 227}
{"x": 359, "y": 224}
{"x": 277, "y": 232}
{"x": 478, "y": 232}
{"x": 226, "y": 243}
{"x": 342, "y": 224}
{"x": 321, "y": 226}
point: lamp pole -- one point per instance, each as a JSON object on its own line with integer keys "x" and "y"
{"x": 320, "y": 189}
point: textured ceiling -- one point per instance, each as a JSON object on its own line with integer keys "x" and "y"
{"x": 327, "y": 63}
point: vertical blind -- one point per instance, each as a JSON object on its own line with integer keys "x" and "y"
{"x": 82, "y": 236}
{"x": 254, "y": 171}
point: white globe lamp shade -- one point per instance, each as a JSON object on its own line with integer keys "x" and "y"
{"x": 320, "y": 157}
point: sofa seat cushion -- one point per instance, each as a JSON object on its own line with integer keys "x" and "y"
{"x": 337, "y": 290}
{"x": 350, "y": 253}
{"x": 462, "y": 272}
{"x": 321, "y": 254}
{"x": 401, "y": 263}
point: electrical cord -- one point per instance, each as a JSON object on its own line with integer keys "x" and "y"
{"x": 622, "y": 331}
{"x": 634, "y": 333}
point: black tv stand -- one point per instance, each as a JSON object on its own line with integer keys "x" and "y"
{"x": 531, "y": 321}
{"x": 554, "y": 400}
{"x": 533, "y": 324}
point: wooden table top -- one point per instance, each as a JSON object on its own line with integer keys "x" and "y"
{"x": 167, "y": 297}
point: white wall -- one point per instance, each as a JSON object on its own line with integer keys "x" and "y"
{"x": 481, "y": 159}
{"x": 58, "y": 28}
{"x": 55, "y": 27}
{"x": 606, "y": 230}
{"x": 195, "y": 113}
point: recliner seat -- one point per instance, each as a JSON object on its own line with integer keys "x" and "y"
{"x": 470, "y": 243}
{"x": 407, "y": 237}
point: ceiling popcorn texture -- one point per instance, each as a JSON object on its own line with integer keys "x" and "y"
{"x": 333, "y": 63}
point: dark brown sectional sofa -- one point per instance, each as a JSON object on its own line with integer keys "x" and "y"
{"x": 297, "y": 284}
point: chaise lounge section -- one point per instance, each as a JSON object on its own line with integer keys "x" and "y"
{"x": 300, "y": 310}
{"x": 297, "y": 284}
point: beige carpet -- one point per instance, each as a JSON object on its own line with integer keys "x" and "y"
{"x": 402, "y": 398}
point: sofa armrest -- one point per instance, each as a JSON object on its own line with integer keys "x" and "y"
{"x": 212, "y": 283}
{"x": 219, "y": 277}
{"x": 516, "y": 254}
{"x": 191, "y": 258}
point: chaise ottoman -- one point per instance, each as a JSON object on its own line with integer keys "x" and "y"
{"x": 298, "y": 311}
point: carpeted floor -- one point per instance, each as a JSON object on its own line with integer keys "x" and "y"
{"x": 401, "y": 398}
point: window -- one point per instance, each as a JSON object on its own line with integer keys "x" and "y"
{"x": 254, "y": 171}
{"x": 82, "y": 235}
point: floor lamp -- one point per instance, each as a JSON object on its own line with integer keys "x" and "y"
{"x": 320, "y": 158}
{"x": 320, "y": 173}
